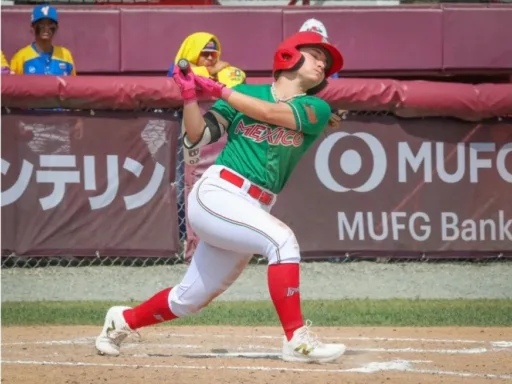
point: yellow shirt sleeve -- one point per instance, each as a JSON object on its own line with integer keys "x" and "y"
{"x": 231, "y": 76}
{"x": 69, "y": 58}
{"x": 72, "y": 62}
{"x": 17, "y": 62}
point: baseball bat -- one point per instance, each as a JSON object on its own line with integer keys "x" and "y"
{"x": 184, "y": 65}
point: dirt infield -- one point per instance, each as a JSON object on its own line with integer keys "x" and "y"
{"x": 251, "y": 355}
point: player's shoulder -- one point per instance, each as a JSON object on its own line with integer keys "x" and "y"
{"x": 311, "y": 99}
{"x": 316, "y": 102}
{"x": 317, "y": 111}
{"x": 26, "y": 52}
{"x": 248, "y": 88}
{"x": 62, "y": 53}
{"x": 259, "y": 91}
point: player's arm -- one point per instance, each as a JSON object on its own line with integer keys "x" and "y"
{"x": 205, "y": 129}
{"x": 201, "y": 129}
{"x": 312, "y": 114}
{"x": 301, "y": 114}
{"x": 278, "y": 114}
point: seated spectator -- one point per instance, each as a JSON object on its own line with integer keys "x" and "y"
{"x": 203, "y": 51}
{"x": 314, "y": 25}
{"x": 42, "y": 57}
{"x": 5, "y": 65}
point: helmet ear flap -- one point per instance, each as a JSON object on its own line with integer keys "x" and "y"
{"x": 284, "y": 55}
{"x": 288, "y": 56}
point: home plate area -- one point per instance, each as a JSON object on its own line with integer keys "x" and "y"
{"x": 252, "y": 355}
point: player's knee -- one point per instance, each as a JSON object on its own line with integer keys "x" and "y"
{"x": 284, "y": 248}
{"x": 182, "y": 305}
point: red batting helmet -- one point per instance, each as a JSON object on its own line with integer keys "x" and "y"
{"x": 288, "y": 56}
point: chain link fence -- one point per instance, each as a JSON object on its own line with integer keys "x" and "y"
{"x": 154, "y": 136}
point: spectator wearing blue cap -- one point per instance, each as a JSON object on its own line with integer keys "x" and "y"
{"x": 42, "y": 57}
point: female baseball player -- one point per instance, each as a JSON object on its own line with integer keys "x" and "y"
{"x": 269, "y": 129}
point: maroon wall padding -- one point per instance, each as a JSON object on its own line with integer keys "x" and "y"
{"x": 424, "y": 39}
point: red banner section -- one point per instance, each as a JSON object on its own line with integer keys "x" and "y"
{"x": 403, "y": 98}
{"x": 81, "y": 185}
{"x": 431, "y": 39}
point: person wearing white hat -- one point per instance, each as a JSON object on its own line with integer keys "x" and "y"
{"x": 314, "y": 25}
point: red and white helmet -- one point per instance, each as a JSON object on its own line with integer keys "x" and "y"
{"x": 289, "y": 58}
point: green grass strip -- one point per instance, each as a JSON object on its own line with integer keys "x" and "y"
{"x": 419, "y": 313}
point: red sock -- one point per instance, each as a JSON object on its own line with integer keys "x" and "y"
{"x": 283, "y": 284}
{"x": 153, "y": 311}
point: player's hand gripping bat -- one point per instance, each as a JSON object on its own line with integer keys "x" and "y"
{"x": 184, "y": 66}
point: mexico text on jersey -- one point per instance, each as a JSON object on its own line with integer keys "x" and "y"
{"x": 266, "y": 154}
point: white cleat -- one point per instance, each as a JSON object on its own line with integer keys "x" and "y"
{"x": 306, "y": 348}
{"x": 114, "y": 331}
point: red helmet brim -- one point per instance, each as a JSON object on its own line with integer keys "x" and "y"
{"x": 335, "y": 59}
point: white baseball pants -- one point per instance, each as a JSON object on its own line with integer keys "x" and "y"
{"x": 232, "y": 227}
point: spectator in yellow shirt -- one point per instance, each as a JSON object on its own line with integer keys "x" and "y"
{"x": 203, "y": 51}
{"x": 42, "y": 57}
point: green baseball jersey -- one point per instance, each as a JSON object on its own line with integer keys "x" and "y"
{"x": 266, "y": 154}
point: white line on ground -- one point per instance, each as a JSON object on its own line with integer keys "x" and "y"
{"x": 502, "y": 344}
{"x": 390, "y": 339}
{"x": 171, "y": 366}
{"x": 82, "y": 340}
{"x": 463, "y": 351}
{"x": 251, "y": 355}
{"x": 396, "y": 365}
{"x": 166, "y": 346}
{"x": 462, "y": 374}
{"x": 196, "y": 346}
{"x": 85, "y": 340}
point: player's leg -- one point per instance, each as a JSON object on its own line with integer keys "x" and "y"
{"x": 224, "y": 216}
{"x": 211, "y": 272}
